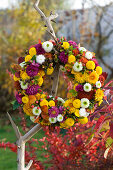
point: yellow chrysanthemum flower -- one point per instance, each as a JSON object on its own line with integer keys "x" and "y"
{"x": 90, "y": 65}
{"x": 99, "y": 70}
{"x": 68, "y": 103}
{"x": 99, "y": 95}
{"x": 25, "y": 99}
{"x": 77, "y": 113}
{"x": 51, "y": 103}
{"x": 32, "y": 51}
{"x": 38, "y": 96}
{"x": 76, "y": 103}
{"x": 27, "y": 58}
{"x": 80, "y": 78}
{"x": 72, "y": 109}
{"x": 69, "y": 122}
{"x": 71, "y": 59}
{"x": 40, "y": 81}
{"x": 93, "y": 77}
{"x": 44, "y": 103}
{"x": 65, "y": 45}
{"x": 41, "y": 73}
{"x": 43, "y": 96}
{"x": 83, "y": 121}
{"x": 16, "y": 78}
{"x": 27, "y": 109}
{"x": 24, "y": 75}
{"x": 50, "y": 71}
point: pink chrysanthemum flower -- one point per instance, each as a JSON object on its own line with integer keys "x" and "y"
{"x": 32, "y": 90}
{"x": 53, "y": 112}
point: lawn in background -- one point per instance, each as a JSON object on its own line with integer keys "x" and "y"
{"x": 8, "y": 158}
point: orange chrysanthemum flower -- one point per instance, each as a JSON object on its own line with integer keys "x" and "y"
{"x": 102, "y": 79}
{"x": 44, "y": 109}
{"x": 93, "y": 77}
{"x": 27, "y": 109}
{"x": 84, "y": 60}
{"x": 32, "y": 99}
{"x": 48, "y": 55}
{"x": 76, "y": 52}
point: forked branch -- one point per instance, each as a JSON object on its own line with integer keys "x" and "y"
{"x": 47, "y": 20}
{"x": 21, "y": 140}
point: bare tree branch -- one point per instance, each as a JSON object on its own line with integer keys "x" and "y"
{"x": 47, "y": 20}
{"x": 17, "y": 132}
{"x": 32, "y": 132}
{"x": 29, "y": 165}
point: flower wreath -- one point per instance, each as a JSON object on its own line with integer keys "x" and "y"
{"x": 78, "y": 64}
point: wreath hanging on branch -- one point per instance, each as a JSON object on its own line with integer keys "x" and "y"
{"x": 45, "y": 58}
{"x": 78, "y": 64}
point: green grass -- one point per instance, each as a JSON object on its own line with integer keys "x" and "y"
{"x": 8, "y": 158}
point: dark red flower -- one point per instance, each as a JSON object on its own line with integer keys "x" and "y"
{"x": 39, "y": 49}
{"x": 32, "y": 70}
{"x": 88, "y": 95}
{"x": 20, "y": 60}
{"x": 63, "y": 58}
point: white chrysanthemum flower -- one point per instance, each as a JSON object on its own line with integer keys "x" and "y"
{"x": 82, "y": 112}
{"x": 60, "y": 99}
{"x": 22, "y": 64}
{"x": 52, "y": 119}
{"x": 84, "y": 103}
{"x": 40, "y": 59}
{"x": 77, "y": 66}
{"x": 82, "y": 49}
{"x": 33, "y": 118}
{"x": 87, "y": 87}
{"x": 36, "y": 111}
{"x": 47, "y": 46}
{"x": 98, "y": 84}
{"x": 59, "y": 118}
{"x": 23, "y": 85}
{"x": 88, "y": 55}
